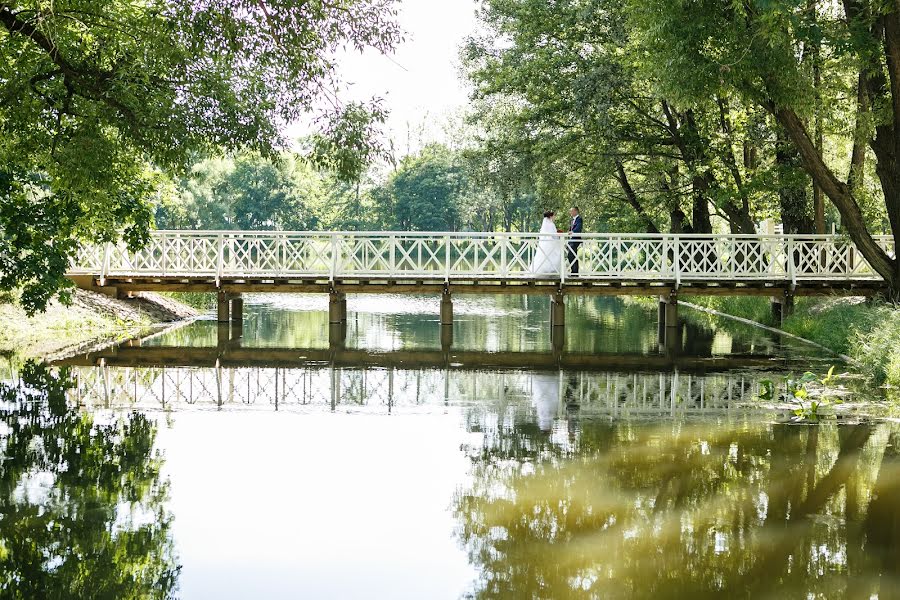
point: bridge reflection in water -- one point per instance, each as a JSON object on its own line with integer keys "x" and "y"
{"x": 378, "y": 389}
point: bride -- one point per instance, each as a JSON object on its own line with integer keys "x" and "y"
{"x": 548, "y": 256}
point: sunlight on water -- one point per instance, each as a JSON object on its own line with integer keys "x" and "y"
{"x": 191, "y": 466}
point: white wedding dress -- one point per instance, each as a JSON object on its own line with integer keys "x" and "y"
{"x": 548, "y": 255}
{"x": 545, "y": 398}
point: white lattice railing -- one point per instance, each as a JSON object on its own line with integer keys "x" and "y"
{"x": 448, "y": 256}
{"x": 155, "y": 387}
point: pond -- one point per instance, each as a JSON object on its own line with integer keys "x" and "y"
{"x": 277, "y": 464}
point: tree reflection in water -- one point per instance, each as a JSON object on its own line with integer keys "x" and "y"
{"x": 597, "y": 508}
{"x": 82, "y": 505}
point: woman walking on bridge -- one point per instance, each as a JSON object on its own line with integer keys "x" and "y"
{"x": 548, "y": 255}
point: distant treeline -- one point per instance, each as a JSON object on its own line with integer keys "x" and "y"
{"x": 435, "y": 189}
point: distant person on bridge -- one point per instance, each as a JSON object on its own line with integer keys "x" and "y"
{"x": 575, "y": 227}
{"x": 548, "y": 256}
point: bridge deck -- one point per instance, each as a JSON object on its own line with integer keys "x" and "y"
{"x": 420, "y": 285}
{"x": 172, "y": 356}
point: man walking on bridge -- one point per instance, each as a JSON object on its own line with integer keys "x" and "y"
{"x": 575, "y": 227}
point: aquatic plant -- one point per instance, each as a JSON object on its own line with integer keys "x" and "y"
{"x": 809, "y": 394}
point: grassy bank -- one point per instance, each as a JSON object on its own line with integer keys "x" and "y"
{"x": 91, "y": 318}
{"x": 200, "y": 301}
{"x": 868, "y": 332}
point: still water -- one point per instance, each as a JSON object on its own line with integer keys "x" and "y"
{"x": 196, "y": 467}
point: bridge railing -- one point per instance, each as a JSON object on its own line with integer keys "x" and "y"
{"x": 256, "y": 387}
{"x": 448, "y": 256}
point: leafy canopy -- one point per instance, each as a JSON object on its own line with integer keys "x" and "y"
{"x": 97, "y": 97}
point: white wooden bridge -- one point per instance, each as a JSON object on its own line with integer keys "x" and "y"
{"x": 234, "y": 262}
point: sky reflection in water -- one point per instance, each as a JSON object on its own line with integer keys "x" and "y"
{"x": 440, "y": 483}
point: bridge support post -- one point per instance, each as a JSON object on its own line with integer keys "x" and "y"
{"x": 782, "y": 306}
{"x": 671, "y": 341}
{"x": 558, "y": 338}
{"x": 337, "y": 307}
{"x": 223, "y": 336}
{"x": 446, "y": 309}
{"x": 446, "y": 337}
{"x": 337, "y": 335}
{"x": 237, "y": 309}
{"x": 222, "y": 308}
{"x": 668, "y": 310}
{"x": 557, "y": 310}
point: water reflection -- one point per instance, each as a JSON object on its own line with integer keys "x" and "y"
{"x": 560, "y": 484}
{"x": 385, "y": 389}
{"x": 82, "y": 506}
{"x": 484, "y": 324}
{"x": 619, "y": 509}
{"x": 500, "y": 467}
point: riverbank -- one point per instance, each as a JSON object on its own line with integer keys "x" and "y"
{"x": 91, "y": 319}
{"x": 867, "y": 332}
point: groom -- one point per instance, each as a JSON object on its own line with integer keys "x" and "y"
{"x": 575, "y": 228}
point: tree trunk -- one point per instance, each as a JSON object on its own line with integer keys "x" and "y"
{"x": 632, "y": 200}
{"x": 855, "y": 177}
{"x": 843, "y": 199}
{"x": 793, "y": 185}
{"x": 818, "y": 200}
{"x": 686, "y": 137}
{"x": 700, "y": 221}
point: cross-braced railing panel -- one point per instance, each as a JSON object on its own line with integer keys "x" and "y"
{"x": 448, "y": 256}
{"x": 266, "y": 388}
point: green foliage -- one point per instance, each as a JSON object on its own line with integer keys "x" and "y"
{"x": 247, "y": 192}
{"x": 350, "y": 141}
{"x": 198, "y": 300}
{"x": 809, "y": 394}
{"x": 875, "y": 342}
{"x": 424, "y": 193}
{"x": 866, "y": 331}
{"x": 809, "y": 65}
{"x": 562, "y": 97}
{"x": 92, "y": 92}
{"x": 86, "y": 533}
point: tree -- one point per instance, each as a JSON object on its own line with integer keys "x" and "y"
{"x": 249, "y": 191}
{"x": 423, "y": 193}
{"x": 96, "y": 96}
{"x": 99, "y": 526}
{"x": 760, "y": 51}
{"x": 596, "y": 128}
{"x": 350, "y": 144}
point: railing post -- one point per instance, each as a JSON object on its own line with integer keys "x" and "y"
{"x": 104, "y": 268}
{"x": 792, "y": 269}
{"x": 334, "y": 255}
{"x": 504, "y": 267}
{"x": 447, "y": 258}
{"x": 564, "y": 258}
{"x": 392, "y": 266}
{"x": 164, "y": 259}
{"x": 220, "y": 258}
{"x": 677, "y": 261}
{"x": 668, "y": 271}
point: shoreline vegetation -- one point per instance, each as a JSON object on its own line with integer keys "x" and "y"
{"x": 866, "y": 331}
{"x": 90, "y": 320}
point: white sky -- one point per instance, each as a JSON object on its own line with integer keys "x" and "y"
{"x": 420, "y": 82}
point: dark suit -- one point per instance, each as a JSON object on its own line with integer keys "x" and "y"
{"x": 574, "y": 242}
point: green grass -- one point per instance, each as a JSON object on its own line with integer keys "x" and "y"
{"x": 747, "y": 307}
{"x": 869, "y": 332}
{"x": 198, "y": 300}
